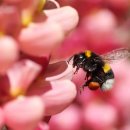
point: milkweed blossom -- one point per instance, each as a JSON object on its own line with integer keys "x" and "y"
{"x": 33, "y": 85}
{"x": 38, "y": 90}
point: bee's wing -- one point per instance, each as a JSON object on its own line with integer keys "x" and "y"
{"x": 117, "y": 54}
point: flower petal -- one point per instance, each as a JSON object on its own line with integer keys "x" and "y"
{"x": 43, "y": 126}
{"x": 8, "y": 53}
{"x": 1, "y": 118}
{"x": 54, "y": 72}
{"x": 59, "y": 97}
{"x": 43, "y": 61}
{"x": 40, "y": 39}
{"x": 101, "y": 116}
{"x": 67, "y": 17}
{"x": 62, "y": 122}
{"x": 20, "y": 115}
{"x": 7, "y": 25}
{"x": 58, "y": 71}
{"x": 4, "y": 89}
{"x": 58, "y": 91}
{"x": 50, "y": 4}
{"x": 21, "y": 76}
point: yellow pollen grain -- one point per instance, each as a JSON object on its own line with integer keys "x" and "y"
{"x": 88, "y": 53}
{"x": 41, "y": 5}
{"x": 26, "y": 17}
{"x": 106, "y": 68}
{"x": 16, "y": 92}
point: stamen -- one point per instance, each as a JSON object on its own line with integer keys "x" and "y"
{"x": 41, "y": 5}
{"x": 26, "y": 17}
{"x": 21, "y": 98}
{"x": 16, "y": 92}
{"x": 1, "y": 34}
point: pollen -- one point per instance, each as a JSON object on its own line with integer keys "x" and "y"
{"x": 94, "y": 85}
{"x": 15, "y": 92}
{"x": 88, "y": 53}
{"x": 106, "y": 68}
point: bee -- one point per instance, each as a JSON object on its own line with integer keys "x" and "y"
{"x": 97, "y": 67}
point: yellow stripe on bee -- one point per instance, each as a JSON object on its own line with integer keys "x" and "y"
{"x": 88, "y": 53}
{"x": 106, "y": 68}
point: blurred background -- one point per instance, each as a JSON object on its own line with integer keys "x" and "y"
{"x": 104, "y": 25}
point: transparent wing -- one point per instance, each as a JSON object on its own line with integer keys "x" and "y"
{"x": 117, "y": 54}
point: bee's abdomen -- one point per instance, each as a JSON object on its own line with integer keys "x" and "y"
{"x": 109, "y": 78}
{"x": 106, "y": 68}
{"x": 108, "y": 84}
{"x": 108, "y": 71}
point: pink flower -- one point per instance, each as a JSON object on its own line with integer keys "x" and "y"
{"x": 69, "y": 119}
{"x": 31, "y": 87}
{"x": 100, "y": 116}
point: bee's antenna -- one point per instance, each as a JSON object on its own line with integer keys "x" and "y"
{"x": 68, "y": 61}
{"x": 81, "y": 89}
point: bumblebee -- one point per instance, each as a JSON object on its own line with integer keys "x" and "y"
{"x": 97, "y": 67}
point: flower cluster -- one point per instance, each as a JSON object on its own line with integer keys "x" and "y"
{"x": 34, "y": 84}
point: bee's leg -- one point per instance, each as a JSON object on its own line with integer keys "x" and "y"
{"x": 77, "y": 68}
{"x": 84, "y": 85}
{"x": 69, "y": 59}
{"x": 81, "y": 89}
{"x": 88, "y": 74}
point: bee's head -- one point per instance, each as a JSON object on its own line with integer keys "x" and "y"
{"x": 78, "y": 60}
